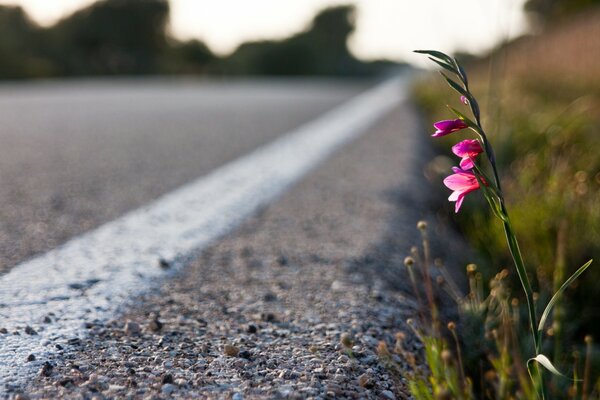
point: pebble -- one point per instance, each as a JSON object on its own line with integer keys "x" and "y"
{"x": 231, "y": 350}
{"x": 46, "y": 369}
{"x": 168, "y": 388}
{"x": 132, "y": 328}
{"x": 388, "y": 395}
{"x": 30, "y": 331}
{"x": 365, "y": 381}
{"x": 155, "y": 325}
{"x": 31, "y": 357}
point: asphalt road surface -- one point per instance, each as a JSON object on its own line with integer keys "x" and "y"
{"x": 76, "y": 154}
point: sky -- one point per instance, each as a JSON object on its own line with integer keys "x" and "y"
{"x": 385, "y": 28}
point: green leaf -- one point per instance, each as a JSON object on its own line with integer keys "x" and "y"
{"x": 462, "y": 116}
{"x": 461, "y": 72}
{"x": 546, "y": 363}
{"x": 560, "y": 291}
{"x": 456, "y": 86}
{"x": 436, "y": 54}
{"x": 444, "y": 65}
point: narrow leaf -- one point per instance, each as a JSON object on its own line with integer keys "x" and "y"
{"x": 444, "y": 65}
{"x": 436, "y": 54}
{"x": 560, "y": 291}
{"x": 461, "y": 72}
{"x": 456, "y": 86}
{"x": 462, "y": 116}
{"x": 546, "y": 363}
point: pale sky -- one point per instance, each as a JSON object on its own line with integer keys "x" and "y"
{"x": 385, "y": 28}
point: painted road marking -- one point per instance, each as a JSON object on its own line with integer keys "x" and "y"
{"x": 92, "y": 276}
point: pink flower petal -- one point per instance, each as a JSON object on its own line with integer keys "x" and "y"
{"x": 448, "y": 126}
{"x": 467, "y": 148}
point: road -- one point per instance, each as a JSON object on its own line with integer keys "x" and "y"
{"x": 76, "y": 154}
{"x": 294, "y": 303}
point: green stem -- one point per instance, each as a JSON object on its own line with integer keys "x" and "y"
{"x": 515, "y": 252}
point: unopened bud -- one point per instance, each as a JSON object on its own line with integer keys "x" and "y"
{"x": 451, "y": 325}
{"x": 408, "y": 261}
{"x": 588, "y": 339}
{"x": 422, "y": 225}
{"x": 471, "y": 268}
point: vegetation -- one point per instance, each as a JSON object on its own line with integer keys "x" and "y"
{"x": 546, "y": 141}
{"x": 127, "y": 37}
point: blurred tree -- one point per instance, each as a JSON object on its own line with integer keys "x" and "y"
{"x": 111, "y": 37}
{"x": 129, "y": 37}
{"x": 546, "y": 11}
{"x": 20, "y": 42}
{"x": 321, "y": 49}
{"x": 190, "y": 57}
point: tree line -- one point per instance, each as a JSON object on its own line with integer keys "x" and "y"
{"x": 130, "y": 37}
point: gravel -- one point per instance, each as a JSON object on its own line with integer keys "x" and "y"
{"x": 300, "y": 302}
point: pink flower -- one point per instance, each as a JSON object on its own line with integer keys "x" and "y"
{"x": 467, "y": 150}
{"x": 461, "y": 182}
{"x": 448, "y": 126}
{"x": 464, "y": 100}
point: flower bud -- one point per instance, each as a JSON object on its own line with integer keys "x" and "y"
{"x": 422, "y": 225}
{"x": 408, "y": 261}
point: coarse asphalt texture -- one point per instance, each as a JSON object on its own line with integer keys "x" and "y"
{"x": 293, "y": 304}
{"x": 76, "y": 154}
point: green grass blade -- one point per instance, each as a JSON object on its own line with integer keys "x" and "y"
{"x": 554, "y": 298}
{"x": 546, "y": 363}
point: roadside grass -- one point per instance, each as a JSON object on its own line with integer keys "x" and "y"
{"x": 546, "y": 133}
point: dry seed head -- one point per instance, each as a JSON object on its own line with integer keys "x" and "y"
{"x": 588, "y": 339}
{"x": 515, "y": 302}
{"x": 400, "y": 336}
{"x": 408, "y": 261}
{"x": 536, "y": 296}
{"x": 422, "y": 225}
{"x": 446, "y": 356}
{"x": 382, "y": 349}
{"x": 471, "y": 268}
{"x": 504, "y": 273}
{"x": 451, "y": 326}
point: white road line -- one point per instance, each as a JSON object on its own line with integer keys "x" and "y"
{"x": 92, "y": 276}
